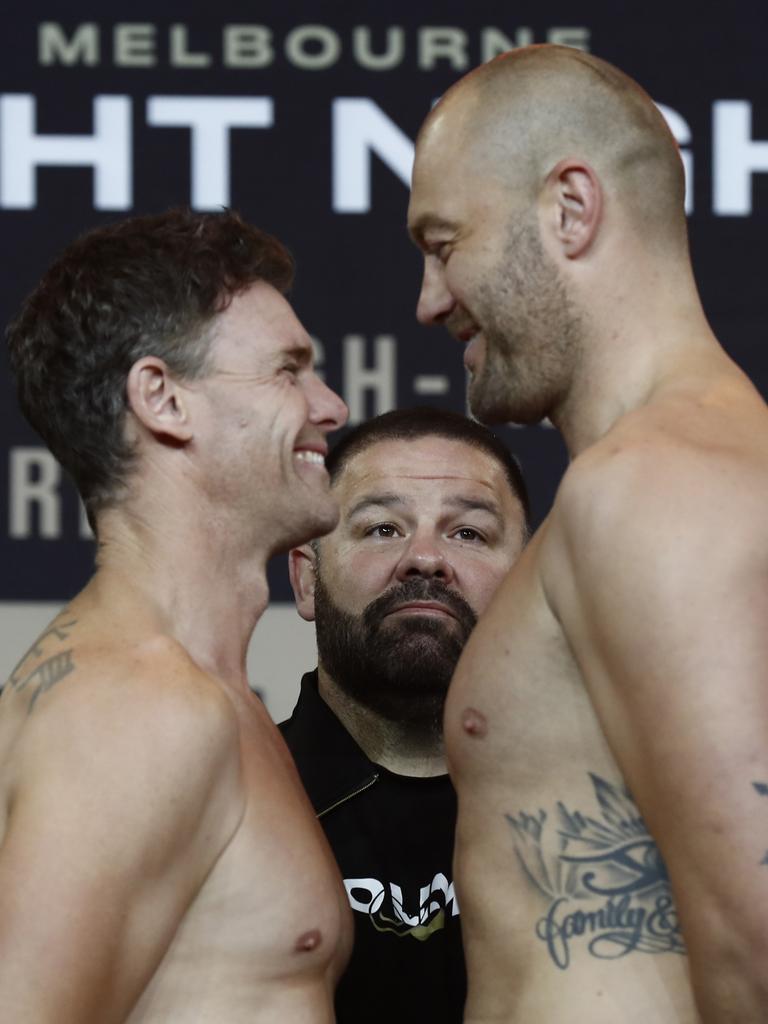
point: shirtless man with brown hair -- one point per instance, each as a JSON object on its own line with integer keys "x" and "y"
{"x": 159, "y": 861}
{"x": 607, "y": 725}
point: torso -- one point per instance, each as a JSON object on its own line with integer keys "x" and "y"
{"x": 567, "y": 912}
{"x": 268, "y": 932}
{"x": 529, "y": 758}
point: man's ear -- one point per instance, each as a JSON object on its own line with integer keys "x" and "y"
{"x": 157, "y": 400}
{"x": 301, "y": 569}
{"x": 573, "y": 200}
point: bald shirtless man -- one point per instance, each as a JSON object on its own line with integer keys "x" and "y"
{"x": 159, "y": 861}
{"x": 608, "y": 722}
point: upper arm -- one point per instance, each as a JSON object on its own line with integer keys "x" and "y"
{"x": 661, "y": 587}
{"x": 119, "y": 814}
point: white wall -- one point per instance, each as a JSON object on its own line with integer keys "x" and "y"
{"x": 282, "y": 649}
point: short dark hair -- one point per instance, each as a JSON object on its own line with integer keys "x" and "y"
{"x": 148, "y": 285}
{"x": 426, "y": 421}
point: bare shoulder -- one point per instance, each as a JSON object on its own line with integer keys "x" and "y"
{"x": 121, "y": 790}
{"x": 74, "y": 668}
{"x": 139, "y": 721}
{"x": 655, "y": 566}
{"x": 673, "y": 473}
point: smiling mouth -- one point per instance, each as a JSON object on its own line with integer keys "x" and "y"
{"x": 305, "y": 455}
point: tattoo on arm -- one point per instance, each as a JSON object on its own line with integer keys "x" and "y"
{"x": 603, "y": 877}
{"x": 47, "y": 673}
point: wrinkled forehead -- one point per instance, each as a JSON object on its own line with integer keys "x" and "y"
{"x": 420, "y": 469}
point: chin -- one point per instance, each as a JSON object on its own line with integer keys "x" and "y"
{"x": 490, "y": 405}
{"x": 294, "y": 529}
{"x": 323, "y": 519}
{"x": 489, "y": 409}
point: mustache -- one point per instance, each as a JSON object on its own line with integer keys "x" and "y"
{"x": 419, "y": 590}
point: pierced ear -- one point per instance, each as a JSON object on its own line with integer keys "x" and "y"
{"x": 301, "y": 569}
{"x": 157, "y": 400}
{"x": 576, "y": 198}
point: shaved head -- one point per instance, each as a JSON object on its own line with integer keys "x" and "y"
{"x": 548, "y": 203}
{"x": 517, "y": 116}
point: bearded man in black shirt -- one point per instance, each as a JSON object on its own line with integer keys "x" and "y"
{"x": 434, "y": 512}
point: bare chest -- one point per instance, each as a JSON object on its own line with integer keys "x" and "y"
{"x": 271, "y": 925}
{"x": 557, "y": 875}
{"x": 517, "y": 707}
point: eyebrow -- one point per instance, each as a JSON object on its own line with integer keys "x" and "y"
{"x": 429, "y": 222}
{"x": 476, "y": 505}
{"x": 386, "y": 499}
{"x": 302, "y": 351}
{"x": 390, "y": 499}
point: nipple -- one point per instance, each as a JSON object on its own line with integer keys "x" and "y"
{"x": 474, "y": 723}
{"x": 308, "y": 941}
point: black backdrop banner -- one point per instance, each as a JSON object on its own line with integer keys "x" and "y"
{"x": 302, "y": 116}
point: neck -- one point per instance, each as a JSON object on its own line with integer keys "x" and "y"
{"x": 636, "y": 345}
{"x": 400, "y": 747}
{"x": 186, "y": 580}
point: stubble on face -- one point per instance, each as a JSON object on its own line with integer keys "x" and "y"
{"x": 532, "y": 332}
{"x": 397, "y": 667}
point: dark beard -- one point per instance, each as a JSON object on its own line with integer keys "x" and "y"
{"x": 398, "y": 668}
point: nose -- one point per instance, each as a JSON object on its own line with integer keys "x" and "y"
{"x": 326, "y": 409}
{"x": 435, "y": 299}
{"x": 424, "y": 557}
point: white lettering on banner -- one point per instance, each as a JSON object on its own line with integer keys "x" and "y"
{"x": 360, "y": 131}
{"x": 36, "y": 493}
{"x": 394, "y": 50}
{"x": 323, "y": 39}
{"x": 83, "y": 48}
{"x": 210, "y": 118}
{"x": 361, "y": 127}
{"x": 306, "y": 47}
{"x": 107, "y": 151}
{"x": 181, "y": 57}
{"x": 493, "y": 42}
{"x": 318, "y": 354}
{"x": 359, "y": 379}
{"x": 446, "y": 43}
{"x": 34, "y": 478}
{"x": 737, "y": 156}
{"x": 569, "y": 35}
{"x": 431, "y": 384}
{"x": 682, "y": 133}
{"x": 247, "y": 46}
{"x": 135, "y": 45}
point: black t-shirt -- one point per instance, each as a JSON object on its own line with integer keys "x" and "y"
{"x": 393, "y": 837}
{"x": 394, "y": 845}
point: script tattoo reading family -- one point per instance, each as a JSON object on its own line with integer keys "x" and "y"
{"x": 604, "y": 878}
